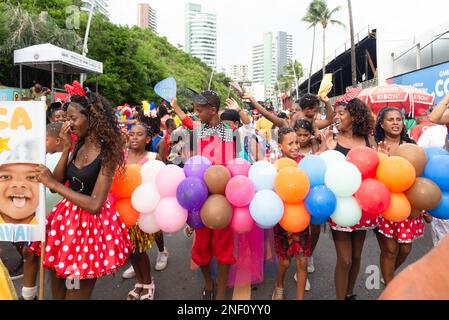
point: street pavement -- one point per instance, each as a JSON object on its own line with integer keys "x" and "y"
{"x": 178, "y": 282}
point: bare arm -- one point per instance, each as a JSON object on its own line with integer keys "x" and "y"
{"x": 321, "y": 124}
{"x": 60, "y": 171}
{"x": 162, "y": 149}
{"x": 440, "y": 115}
{"x": 271, "y": 117}
{"x": 244, "y": 118}
{"x": 181, "y": 114}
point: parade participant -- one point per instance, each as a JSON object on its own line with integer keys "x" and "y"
{"x": 422, "y": 118}
{"x": 56, "y": 112}
{"x": 291, "y": 245}
{"x": 440, "y": 115}
{"x": 395, "y": 238}
{"x": 354, "y": 123}
{"x": 208, "y": 242}
{"x": 86, "y": 238}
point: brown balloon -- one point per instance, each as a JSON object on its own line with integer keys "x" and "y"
{"x": 414, "y": 154}
{"x": 424, "y": 194}
{"x": 216, "y": 212}
{"x": 216, "y": 179}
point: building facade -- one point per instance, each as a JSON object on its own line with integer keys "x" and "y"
{"x": 146, "y": 17}
{"x": 101, "y": 6}
{"x": 239, "y": 72}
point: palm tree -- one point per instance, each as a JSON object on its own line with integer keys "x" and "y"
{"x": 353, "y": 59}
{"x": 326, "y": 18}
{"x": 313, "y": 18}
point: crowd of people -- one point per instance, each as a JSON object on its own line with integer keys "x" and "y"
{"x": 87, "y": 239}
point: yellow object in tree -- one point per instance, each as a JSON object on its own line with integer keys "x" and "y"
{"x": 7, "y": 291}
{"x": 326, "y": 85}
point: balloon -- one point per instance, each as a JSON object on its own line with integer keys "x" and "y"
{"x": 373, "y": 197}
{"x": 238, "y": 167}
{"x": 343, "y": 178}
{"x": 332, "y": 156}
{"x": 437, "y": 170}
{"x": 262, "y": 174}
{"x": 169, "y": 215}
{"x": 168, "y": 180}
{"x": 216, "y": 213}
{"x": 150, "y": 170}
{"x": 192, "y": 193}
{"x": 51, "y": 200}
{"x": 196, "y": 166}
{"x": 321, "y": 203}
{"x": 414, "y": 154}
{"x": 348, "y": 212}
{"x": 147, "y": 223}
{"x": 382, "y": 156}
{"x": 145, "y": 198}
{"x": 315, "y": 169}
{"x": 127, "y": 213}
{"x": 166, "y": 89}
{"x": 366, "y": 160}
{"x": 285, "y": 163}
{"x": 216, "y": 179}
{"x": 400, "y": 208}
{"x": 435, "y": 151}
{"x": 266, "y": 209}
{"x": 240, "y": 191}
{"x": 242, "y": 222}
{"x": 442, "y": 211}
{"x": 292, "y": 185}
{"x": 424, "y": 194}
{"x": 295, "y": 218}
{"x": 396, "y": 173}
{"x": 194, "y": 220}
{"x": 124, "y": 185}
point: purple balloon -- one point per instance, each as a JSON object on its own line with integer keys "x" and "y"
{"x": 196, "y": 166}
{"x": 192, "y": 193}
{"x": 194, "y": 220}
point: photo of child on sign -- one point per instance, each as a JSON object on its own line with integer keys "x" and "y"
{"x": 22, "y": 147}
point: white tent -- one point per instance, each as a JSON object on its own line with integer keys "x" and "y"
{"x": 52, "y": 58}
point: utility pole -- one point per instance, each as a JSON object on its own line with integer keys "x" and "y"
{"x": 353, "y": 58}
{"x": 93, "y": 3}
{"x": 296, "y": 79}
{"x": 210, "y": 80}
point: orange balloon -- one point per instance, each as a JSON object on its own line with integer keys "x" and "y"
{"x": 382, "y": 156}
{"x": 292, "y": 185}
{"x": 396, "y": 173}
{"x": 126, "y": 211}
{"x": 400, "y": 208}
{"x": 124, "y": 185}
{"x": 285, "y": 163}
{"x": 296, "y": 218}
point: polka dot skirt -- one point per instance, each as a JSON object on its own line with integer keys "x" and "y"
{"x": 403, "y": 232}
{"x": 366, "y": 223}
{"x": 84, "y": 245}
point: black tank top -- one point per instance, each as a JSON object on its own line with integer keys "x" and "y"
{"x": 345, "y": 151}
{"x": 83, "y": 180}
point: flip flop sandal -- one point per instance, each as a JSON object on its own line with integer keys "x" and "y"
{"x": 133, "y": 293}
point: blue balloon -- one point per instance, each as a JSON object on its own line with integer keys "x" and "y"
{"x": 435, "y": 151}
{"x": 262, "y": 174}
{"x": 321, "y": 202}
{"x": 442, "y": 211}
{"x": 317, "y": 222}
{"x": 166, "y": 89}
{"x": 437, "y": 170}
{"x": 266, "y": 209}
{"x": 315, "y": 168}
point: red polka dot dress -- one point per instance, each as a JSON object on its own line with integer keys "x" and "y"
{"x": 403, "y": 232}
{"x": 366, "y": 223}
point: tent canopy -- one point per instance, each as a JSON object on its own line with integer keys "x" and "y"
{"x": 52, "y": 58}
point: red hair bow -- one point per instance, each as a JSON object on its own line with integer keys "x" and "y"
{"x": 75, "y": 89}
{"x": 349, "y": 96}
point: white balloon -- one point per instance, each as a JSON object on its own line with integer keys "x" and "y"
{"x": 150, "y": 170}
{"x": 332, "y": 156}
{"x": 147, "y": 223}
{"x": 433, "y": 137}
{"x": 343, "y": 178}
{"x": 145, "y": 198}
{"x": 348, "y": 212}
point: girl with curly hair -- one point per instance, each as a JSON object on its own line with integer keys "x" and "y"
{"x": 86, "y": 239}
{"x": 354, "y": 122}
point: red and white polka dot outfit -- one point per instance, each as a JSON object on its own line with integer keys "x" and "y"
{"x": 403, "y": 232}
{"x": 364, "y": 224}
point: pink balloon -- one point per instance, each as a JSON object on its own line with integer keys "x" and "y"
{"x": 170, "y": 216}
{"x": 240, "y": 191}
{"x": 168, "y": 180}
{"x": 242, "y": 222}
{"x": 239, "y": 167}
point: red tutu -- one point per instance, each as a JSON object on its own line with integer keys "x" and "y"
{"x": 364, "y": 224}
{"x": 403, "y": 232}
{"x": 84, "y": 245}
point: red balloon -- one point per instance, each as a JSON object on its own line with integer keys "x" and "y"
{"x": 373, "y": 197}
{"x": 366, "y": 160}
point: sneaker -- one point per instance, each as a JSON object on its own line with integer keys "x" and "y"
{"x": 188, "y": 232}
{"x": 307, "y": 283}
{"x": 129, "y": 273}
{"x": 310, "y": 266}
{"x": 161, "y": 261}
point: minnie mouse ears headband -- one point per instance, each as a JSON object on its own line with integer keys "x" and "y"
{"x": 77, "y": 89}
{"x": 349, "y": 96}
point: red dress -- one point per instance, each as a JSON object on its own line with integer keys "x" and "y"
{"x": 403, "y": 232}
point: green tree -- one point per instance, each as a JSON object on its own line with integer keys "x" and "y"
{"x": 287, "y": 80}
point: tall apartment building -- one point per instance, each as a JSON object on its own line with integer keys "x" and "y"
{"x": 101, "y": 6}
{"x": 201, "y": 34}
{"x": 239, "y": 72}
{"x": 146, "y": 17}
